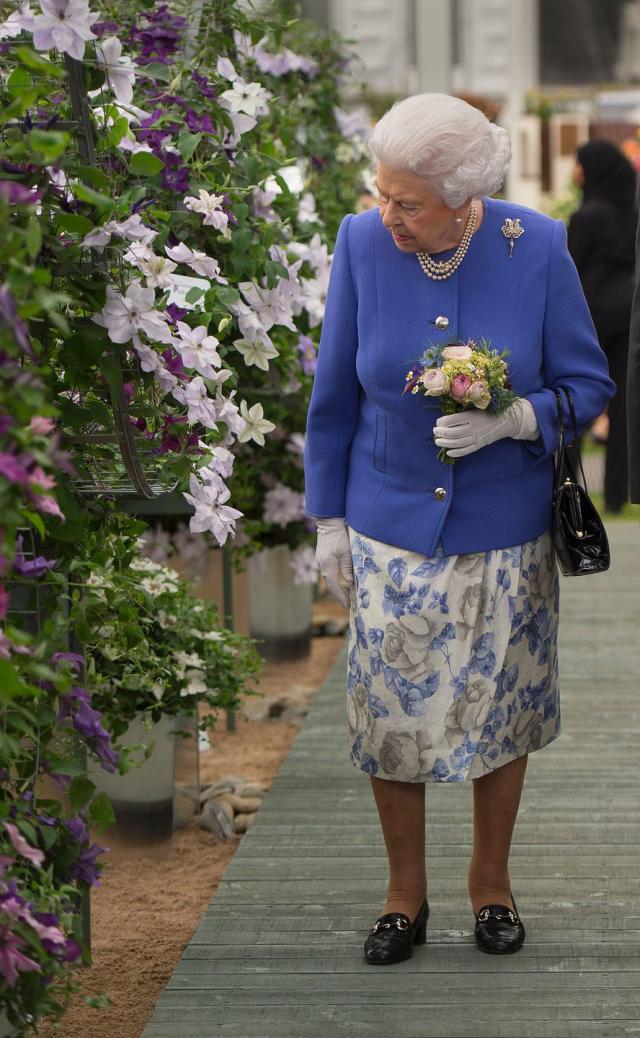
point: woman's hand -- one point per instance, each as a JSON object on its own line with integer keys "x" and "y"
{"x": 333, "y": 555}
{"x": 470, "y": 430}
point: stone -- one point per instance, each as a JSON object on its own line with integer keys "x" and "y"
{"x": 243, "y": 805}
{"x": 223, "y": 786}
{"x": 336, "y": 627}
{"x": 277, "y": 706}
{"x": 252, "y": 789}
{"x": 218, "y": 819}
{"x": 243, "y": 822}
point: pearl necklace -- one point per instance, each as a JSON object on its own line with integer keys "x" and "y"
{"x": 438, "y": 270}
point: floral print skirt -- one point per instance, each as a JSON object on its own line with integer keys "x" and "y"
{"x": 452, "y": 659}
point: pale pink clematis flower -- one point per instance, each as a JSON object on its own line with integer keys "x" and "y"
{"x": 211, "y": 208}
{"x": 125, "y": 316}
{"x": 150, "y": 361}
{"x": 133, "y": 229}
{"x": 32, "y": 854}
{"x": 64, "y": 25}
{"x": 120, "y": 72}
{"x": 197, "y": 349}
{"x": 211, "y": 513}
{"x": 157, "y": 270}
{"x": 16, "y": 22}
{"x": 41, "y": 426}
{"x": 198, "y": 261}
{"x": 304, "y": 566}
{"x": 221, "y": 463}
{"x": 201, "y": 408}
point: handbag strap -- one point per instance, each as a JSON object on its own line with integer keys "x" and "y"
{"x": 561, "y": 430}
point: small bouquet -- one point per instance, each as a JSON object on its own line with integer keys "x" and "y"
{"x": 463, "y": 375}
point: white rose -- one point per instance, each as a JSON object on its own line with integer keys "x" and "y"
{"x": 435, "y": 382}
{"x": 457, "y": 353}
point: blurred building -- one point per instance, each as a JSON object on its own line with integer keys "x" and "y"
{"x": 500, "y": 51}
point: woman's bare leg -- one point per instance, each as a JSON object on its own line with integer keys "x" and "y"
{"x": 496, "y": 798}
{"x": 401, "y": 810}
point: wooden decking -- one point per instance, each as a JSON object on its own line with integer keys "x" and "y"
{"x": 278, "y": 953}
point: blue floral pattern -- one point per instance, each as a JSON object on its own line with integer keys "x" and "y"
{"x": 452, "y": 660}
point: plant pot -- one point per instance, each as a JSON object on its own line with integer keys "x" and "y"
{"x": 143, "y": 799}
{"x": 6, "y": 1030}
{"x": 280, "y": 611}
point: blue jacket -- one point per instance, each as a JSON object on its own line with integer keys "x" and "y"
{"x": 369, "y": 453}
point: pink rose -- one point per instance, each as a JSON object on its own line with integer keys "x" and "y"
{"x": 457, "y": 353}
{"x": 41, "y": 426}
{"x": 478, "y": 394}
{"x": 459, "y": 387}
{"x": 435, "y": 382}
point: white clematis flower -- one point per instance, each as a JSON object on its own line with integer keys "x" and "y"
{"x": 211, "y": 208}
{"x": 16, "y": 22}
{"x": 249, "y": 98}
{"x": 64, "y": 25}
{"x": 120, "y": 72}
{"x": 257, "y": 353}
{"x": 198, "y": 261}
{"x": 255, "y": 424}
{"x": 125, "y": 316}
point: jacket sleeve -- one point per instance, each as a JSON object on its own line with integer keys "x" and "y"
{"x": 572, "y": 355}
{"x": 333, "y": 409}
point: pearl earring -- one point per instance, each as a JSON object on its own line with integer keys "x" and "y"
{"x": 458, "y": 219}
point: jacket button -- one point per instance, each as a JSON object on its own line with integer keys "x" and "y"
{"x": 440, "y": 493}
{"x": 442, "y": 322}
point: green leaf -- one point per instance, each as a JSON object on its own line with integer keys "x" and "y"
{"x": 118, "y": 131}
{"x": 144, "y": 164}
{"x": 242, "y": 240}
{"x": 51, "y": 144}
{"x": 35, "y": 520}
{"x": 81, "y": 790}
{"x": 194, "y": 294}
{"x": 94, "y": 176}
{"x": 101, "y": 812}
{"x": 157, "y": 71}
{"x": 187, "y": 144}
{"x": 67, "y": 766}
{"x": 112, "y": 371}
{"x": 19, "y": 81}
{"x": 11, "y": 684}
{"x": 37, "y": 63}
{"x": 74, "y": 223}
{"x": 87, "y": 194}
{"x": 34, "y": 237}
{"x": 228, "y": 295}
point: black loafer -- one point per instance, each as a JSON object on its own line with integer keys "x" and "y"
{"x": 498, "y": 930}
{"x": 393, "y": 935}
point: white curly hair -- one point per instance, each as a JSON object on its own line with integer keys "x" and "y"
{"x": 450, "y": 144}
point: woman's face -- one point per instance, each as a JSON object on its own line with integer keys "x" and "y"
{"x": 577, "y": 174}
{"x": 415, "y": 216}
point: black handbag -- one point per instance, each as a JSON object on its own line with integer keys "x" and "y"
{"x": 578, "y": 533}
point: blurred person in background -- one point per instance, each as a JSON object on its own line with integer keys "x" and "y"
{"x": 601, "y": 240}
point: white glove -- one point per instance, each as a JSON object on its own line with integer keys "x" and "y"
{"x": 470, "y": 430}
{"x": 333, "y": 555}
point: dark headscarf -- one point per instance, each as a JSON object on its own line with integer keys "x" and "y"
{"x": 608, "y": 174}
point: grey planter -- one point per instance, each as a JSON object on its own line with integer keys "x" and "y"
{"x": 160, "y": 795}
{"x": 280, "y": 611}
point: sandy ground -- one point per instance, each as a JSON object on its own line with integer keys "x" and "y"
{"x": 147, "y": 907}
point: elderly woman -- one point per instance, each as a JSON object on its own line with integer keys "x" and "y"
{"x": 452, "y": 660}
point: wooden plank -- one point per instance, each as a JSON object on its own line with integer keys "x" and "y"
{"x": 278, "y": 952}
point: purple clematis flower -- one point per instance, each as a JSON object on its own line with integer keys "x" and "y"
{"x": 72, "y": 657}
{"x": 198, "y": 122}
{"x": 31, "y": 567}
{"x": 176, "y": 313}
{"x": 76, "y": 705}
{"x": 17, "y": 194}
{"x": 13, "y": 468}
{"x": 9, "y": 316}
